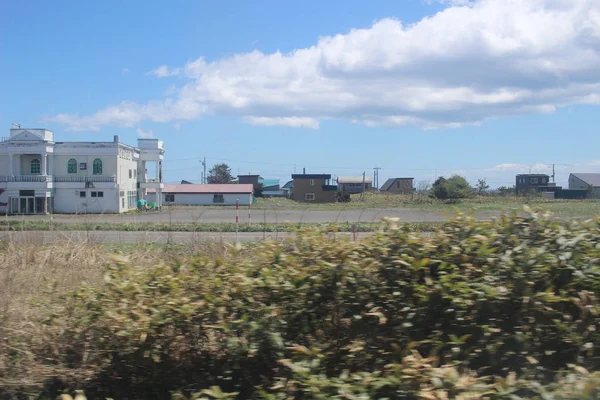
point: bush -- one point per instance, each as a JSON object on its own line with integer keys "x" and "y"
{"x": 503, "y": 309}
{"x": 454, "y": 188}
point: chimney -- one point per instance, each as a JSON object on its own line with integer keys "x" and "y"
{"x": 304, "y": 170}
{"x": 116, "y": 138}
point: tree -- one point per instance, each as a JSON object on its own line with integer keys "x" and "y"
{"x": 482, "y": 186}
{"x": 423, "y": 187}
{"x": 506, "y": 191}
{"x": 258, "y": 189}
{"x": 454, "y": 188}
{"x": 219, "y": 173}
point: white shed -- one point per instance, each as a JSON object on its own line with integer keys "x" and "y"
{"x": 204, "y": 194}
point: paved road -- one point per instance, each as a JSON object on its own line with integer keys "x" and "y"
{"x": 199, "y": 214}
{"x": 47, "y": 237}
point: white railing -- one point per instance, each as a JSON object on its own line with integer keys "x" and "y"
{"x": 25, "y": 178}
{"x": 151, "y": 180}
{"x": 4, "y": 139}
{"x": 85, "y": 179}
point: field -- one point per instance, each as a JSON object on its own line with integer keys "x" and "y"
{"x": 504, "y": 309}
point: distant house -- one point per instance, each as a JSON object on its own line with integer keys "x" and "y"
{"x": 534, "y": 182}
{"x": 205, "y": 194}
{"x": 251, "y": 179}
{"x": 354, "y": 184}
{"x": 586, "y": 181}
{"x": 269, "y": 184}
{"x": 288, "y": 188}
{"x": 398, "y": 186}
{"x": 313, "y": 188}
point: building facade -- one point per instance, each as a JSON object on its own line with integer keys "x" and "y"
{"x": 590, "y": 182}
{"x": 398, "y": 186}
{"x": 534, "y": 182}
{"x": 354, "y": 184}
{"x": 205, "y": 194}
{"x": 42, "y": 176}
{"x": 313, "y": 188}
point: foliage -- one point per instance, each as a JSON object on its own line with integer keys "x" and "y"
{"x": 505, "y": 191}
{"x": 504, "y": 309}
{"x": 220, "y": 173}
{"x": 454, "y": 188}
{"x": 258, "y": 189}
{"x": 482, "y": 186}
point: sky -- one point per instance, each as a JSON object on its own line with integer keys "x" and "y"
{"x": 420, "y": 88}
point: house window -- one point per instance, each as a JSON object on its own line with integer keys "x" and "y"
{"x": 218, "y": 198}
{"x": 83, "y": 166}
{"x": 309, "y": 196}
{"x": 312, "y": 182}
{"x": 170, "y": 198}
{"x": 97, "y": 194}
{"x": 534, "y": 180}
{"x": 398, "y": 184}
{"x": 130, "y": 174}
{"x": 82, "y": 193}
{"x": 72, "y": 166}
{"x": 135, "y": 173}
{"x": 35, "y": 166}
{"x": 97, "y": 165}
{"x": 543, "y": 180}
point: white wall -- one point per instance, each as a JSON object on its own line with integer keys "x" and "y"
{"x": 3, "y": 198}
{"x": 68, "y": 201}
{"x": 203, "y": 199}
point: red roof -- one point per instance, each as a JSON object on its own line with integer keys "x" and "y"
{"x": 206, "y": 188}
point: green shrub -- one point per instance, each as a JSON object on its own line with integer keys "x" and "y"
{"x": 479, "y": 310}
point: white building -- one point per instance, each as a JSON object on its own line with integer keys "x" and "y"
{"x": 39, "y": 175}
{"x": 205, "y": 194}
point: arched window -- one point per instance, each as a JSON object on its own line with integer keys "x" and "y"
{"x": 35, "y": 166}
{"x": 72, "y": 166}
{"x": 97, "y": 165}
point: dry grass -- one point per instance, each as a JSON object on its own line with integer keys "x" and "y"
{"x": 28, "y": 270}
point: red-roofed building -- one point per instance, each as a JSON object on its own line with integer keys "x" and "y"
{"x": 205, "y": 194}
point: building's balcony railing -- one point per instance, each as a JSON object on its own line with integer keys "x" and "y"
{"x": 4, "y": 139}
{"x": 85, "y": 179}
{"x": 151, "y": 180}
{"x": 25, "y": 178}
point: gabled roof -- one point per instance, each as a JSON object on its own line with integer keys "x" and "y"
{"x": 589, "y": 178}
{"x": 288, "y": 185}
{"x": 225, "y": 188}
{"x": 388, "y": 184}
{"x": 354, "y": 179}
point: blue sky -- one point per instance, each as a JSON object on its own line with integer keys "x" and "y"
{"x": 486, "y": 88}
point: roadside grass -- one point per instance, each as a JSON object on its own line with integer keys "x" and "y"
{"x": 498, "y": 204}
{"x": 39, "y": 225}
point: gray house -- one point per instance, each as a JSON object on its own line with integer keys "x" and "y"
{"x": 354, "y": 184}
{"x": 587, "y": 181}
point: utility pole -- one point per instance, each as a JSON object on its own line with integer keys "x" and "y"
{"x": 203, "y": 162}
{"x": 362, "y": 193}
{"x": 376, "y": 176}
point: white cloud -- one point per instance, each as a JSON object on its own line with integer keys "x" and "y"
{"x": 293, "y": 122}
{"x": 145, "y": 134}
{"x": 163, "y": 71}
{"x": 461, "y": 66}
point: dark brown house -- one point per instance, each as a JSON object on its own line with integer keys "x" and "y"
{"x": 313, "y": 188}
{"x": 251, "y": 179}
{"x": 398, "y": 186}
{"x": 534, "y": 182}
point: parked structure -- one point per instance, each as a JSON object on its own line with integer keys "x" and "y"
{"x": 354, "y": 184}
{"x": 313, "y": 188}
{"x": 398, "y": 186}
{"x": 43, "y": 176}
{"x": 205, "y": 194}
{"x": 589, "y": 182}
